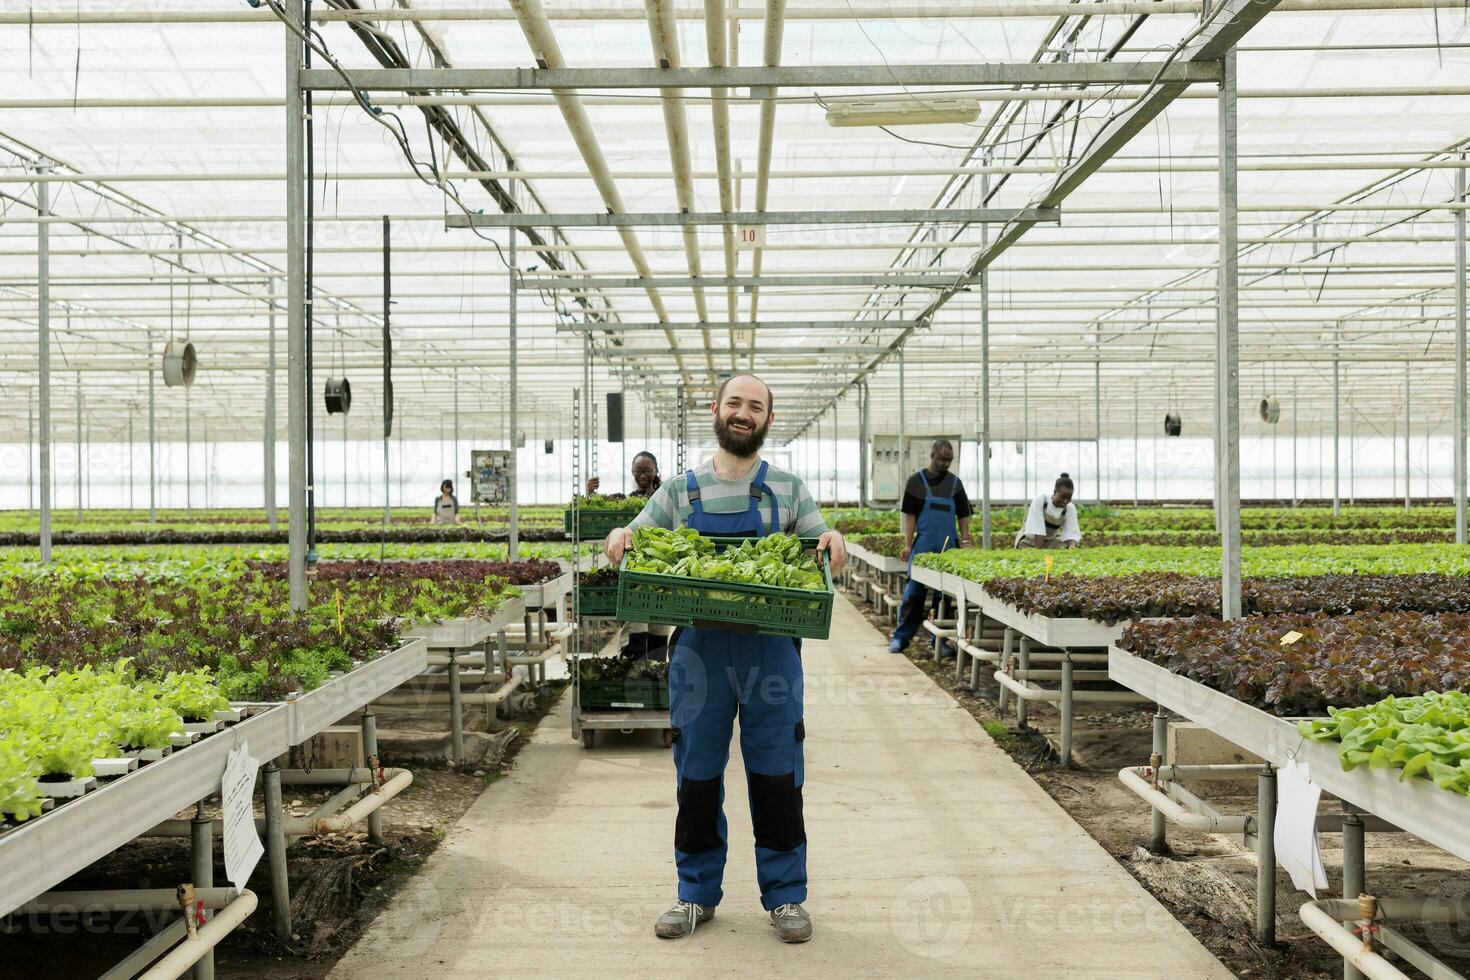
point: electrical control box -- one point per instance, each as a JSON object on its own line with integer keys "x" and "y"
{"x": 891, "y": 469}
{"x": 490, "y": 476}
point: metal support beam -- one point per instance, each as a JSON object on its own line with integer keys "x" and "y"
{"x": 1227, "y": 363}
{"x": 1177, "y": 73}
{"x": 513, "y": 423}
{"x": 43, "y": 335}
{"x": 604, "y": 219}
{"x": 268, "y": 430}
{"x": 640, "y": 326}
{"x": 1337, "y": 433}
{"x": 766, "y": 281}
{"x": 152, "y": 437}
{"x": 1459, "y": 488}
{"x": 79, "y": 445}
{"x": 296, "y": 326}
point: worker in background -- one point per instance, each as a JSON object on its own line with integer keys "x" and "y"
{"x": 446, "y": 505}
{"x": 1052, "y": 520}
{"x": 645, "y": 477}
{"x": 936, "y": 516}
{"x": 649, "y": 640}
{"x": 715, "y": 675}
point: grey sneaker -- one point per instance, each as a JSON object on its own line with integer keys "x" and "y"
{"x": 681, "y": 920}
{"x": 792, "y": 923}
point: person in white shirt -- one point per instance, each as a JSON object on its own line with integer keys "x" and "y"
{"x": 1052, "y": 520}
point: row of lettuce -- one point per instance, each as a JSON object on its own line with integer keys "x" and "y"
{"x": 117, "y": 658}
{"x": 1356, "y": 633}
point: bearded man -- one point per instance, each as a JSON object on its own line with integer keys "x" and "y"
{"x": 715, "y": 675}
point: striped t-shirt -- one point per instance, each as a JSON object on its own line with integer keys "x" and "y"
{"x": 796, "y": 510}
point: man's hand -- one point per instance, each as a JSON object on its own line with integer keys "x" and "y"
{"x": 619, "y": 541}
{"x": 592, "y": 485}
{"x": 903, "y": 555}
{"x": 835, "y": 545}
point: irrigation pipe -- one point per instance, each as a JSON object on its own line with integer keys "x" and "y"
{"x": 1030, "y": 692}
{"x": 203, "y": 939}
{"x": 1139, "y": 785}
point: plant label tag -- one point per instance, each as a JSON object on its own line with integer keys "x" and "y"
{"x": 237, "y": 789}
{"x": 1290, "y": 638}
{"x": 1048, "y": 568}
{"x": 1295, "y": 833}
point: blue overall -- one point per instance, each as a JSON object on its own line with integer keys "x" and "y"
{"x": 715, "y": 675}
{"x": 936, "y": 526}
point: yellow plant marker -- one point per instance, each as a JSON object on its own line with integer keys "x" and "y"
{"x": 1290, "y": 638}
{"x": 1048, "y": 568}
{"x": 339, "y": 612}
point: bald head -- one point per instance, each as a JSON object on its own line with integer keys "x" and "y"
{"x": 748, "y": 387}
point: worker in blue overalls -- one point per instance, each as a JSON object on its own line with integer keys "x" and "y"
{"x": 936, "y": 516}
{"x": 716, "y": 675}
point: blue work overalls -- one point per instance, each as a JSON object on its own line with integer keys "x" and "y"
{"x": 935, "y": 527}
{"x": 715, "y": 675}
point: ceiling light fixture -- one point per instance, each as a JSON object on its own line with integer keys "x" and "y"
{"x": 859, "y": 112}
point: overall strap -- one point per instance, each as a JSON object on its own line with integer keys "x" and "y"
{"x": 693, "y": 485}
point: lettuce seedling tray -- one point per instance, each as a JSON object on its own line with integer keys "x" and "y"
{"x": 738, "y": 607}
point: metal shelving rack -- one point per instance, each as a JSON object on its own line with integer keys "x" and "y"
{"x": 586, "y": 724}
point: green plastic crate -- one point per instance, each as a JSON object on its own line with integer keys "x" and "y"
{"x": 770, "y": 610}
{"x": 623, "y": 693}
{"x": 597, "y": 600}
{"x": 598, "y": 524}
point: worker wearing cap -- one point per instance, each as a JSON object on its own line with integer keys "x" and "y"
{"x": 936, "y": 516}
{"x": 716, "y": 675}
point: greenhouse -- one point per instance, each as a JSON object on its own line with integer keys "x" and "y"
{"x": 1029, "y": 436}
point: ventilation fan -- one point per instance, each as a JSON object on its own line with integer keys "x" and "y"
{"x": 1173, "y": 425}
{"x": 338, "y": 396}
{"x": 1270, "y": 410}
{"x": 179, "y": 363}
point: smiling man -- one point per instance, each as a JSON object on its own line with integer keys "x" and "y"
{"x": 715, "y": 675}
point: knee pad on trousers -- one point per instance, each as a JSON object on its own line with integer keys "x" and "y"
{"x": 697, "y": 827}
{"x": 775, "y": 810}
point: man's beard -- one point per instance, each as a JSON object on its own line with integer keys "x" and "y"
{"x": 739, "y": 443}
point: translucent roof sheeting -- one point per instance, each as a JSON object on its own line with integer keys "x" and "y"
{"x": 166, "y": 139}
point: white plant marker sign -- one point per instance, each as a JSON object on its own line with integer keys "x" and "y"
{"x": 750, "y": 236}
{"x": 1297, "y": 848}
{"x": 237, "y": 792}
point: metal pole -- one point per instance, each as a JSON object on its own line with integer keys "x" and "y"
{"x": 275, "y": 817}
{"x": 1352, "y": 454}
{"x": 1025, "y": 434}
{"x": 296, "y": 381}
{"x": 454, "y": 457}
{"x": 206, "y": 466}
{"x": 1408, "y": 441}
{"x": 1293, "y": 443}
{"x": 1227, "y": 368}
{"x": 1354, "y": 877}
{"x": 1097, "y": 464}
{"x": 903, "y": 427}
{"x": 130, "y": 457}
{"x": 201, "y": 843}
{"x": 387, "y": 366}
{"x": 152, "y": 440}
{"x": 1266, "y": 856}
{"x": 984, "y": 381}
{"x": 370, "y": 756}
{"x": 1459, "y": 491}
{"x": 1337, "y": 437}
{"x": 269, "y": 433}
{"x": 188, "y": 454}
{"x": 1158, "y": 837}
{"x": 30, "y": 453}
{"x": 1136, "y": 461}
{"x": 512, "y": 470}
{"x": 43, "y": 322}
{"x": 78, "y": 440}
